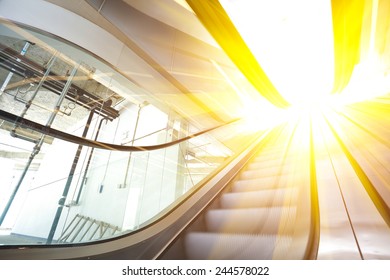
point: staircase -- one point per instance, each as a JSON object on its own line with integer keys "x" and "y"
{"x": 84, "y": 229}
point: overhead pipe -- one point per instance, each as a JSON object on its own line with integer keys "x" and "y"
{"x": 19, "y": 92}
{"x": 75, "y": 93}
{"x": 28, "y": 104}
{"x": 10, "y": 74}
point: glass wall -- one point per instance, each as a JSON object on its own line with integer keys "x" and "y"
{"x": 53, "y": 191}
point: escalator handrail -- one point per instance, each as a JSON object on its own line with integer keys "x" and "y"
{"x": 218, "y": 23}
{"x": 28, "y": 124}
{"x": 149, "y": 241}
{"x": 311, "y": 252}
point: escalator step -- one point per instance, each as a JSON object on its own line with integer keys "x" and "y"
{"x": 252, "y": 220}
{"x": 202, "y": 245}
{"x": 264, "y": 198}
{"x": 264, "y": 172}
{"x": 270, "y": 161}
{"x": 259, "y": 184}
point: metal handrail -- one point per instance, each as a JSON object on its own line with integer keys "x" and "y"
{"x": 28, "y": 124}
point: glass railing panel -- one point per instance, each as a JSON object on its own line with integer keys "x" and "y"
{"x": 117, "y": 191}
{"x": 58, "y": 192}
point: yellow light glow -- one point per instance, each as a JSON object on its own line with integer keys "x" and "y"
{"x": 293, "y": 42}
{"x": 257, "y": 112}
{"x": 267, "y": 117}
{"x": 368, "y": 81}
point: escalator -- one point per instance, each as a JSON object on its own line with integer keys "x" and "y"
{"x": 254, "y": 220}
{"x": 254, "y": 195}
{"x": 258, "y": 206}
{"x": 263, "y": 213}
{"x": 196, "y": 200}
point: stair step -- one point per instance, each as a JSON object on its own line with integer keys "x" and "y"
{"x": 204, "y": 245}
{"x": 266, "y": 220}
{"x": 263, "y": 198}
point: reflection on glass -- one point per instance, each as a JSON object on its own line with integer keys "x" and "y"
{"x": 53, "y": 191}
